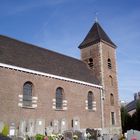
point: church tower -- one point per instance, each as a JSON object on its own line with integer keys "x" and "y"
{"x": 99, "y": 52}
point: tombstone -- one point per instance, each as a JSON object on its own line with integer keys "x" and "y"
{"x": 68, "y": 135}
{"x": 49, "y": 130}
{"x": 106, "y": 137}
{"x": 31, "y": 127}
{"x": 63, "y": 125}
{"x": 133, "y": 134}
{"x": 76, "y": 123}
{"x": 56, "y": 126}
{"x": 79, "y": 134}
{"x": 92, "y": 133}
{"x": 115, "y": 137}
{"x": 1, "y": 126}
{"x": 22, "y": 128}
{"x": 12, "y": 129}
{"x": 40, "y": 126}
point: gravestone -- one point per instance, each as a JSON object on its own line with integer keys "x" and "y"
{"x": 115, "y": 137}
{"x": 22, "y": 128}
{"x": 68, "y": 135}
{"x": 49, "y": 130}
{"x": 63, "y": 125}
{"x": 76, "y": 123}
{"x": 79, "y": 134}
{"x": 31, "y": 127}
{"x": 131, "y": 134}
{"x": 56, "y": 126}
{"x": 40, "y": 126}
{"x": 106, "y": 137}
{"x": 1, "y": 126}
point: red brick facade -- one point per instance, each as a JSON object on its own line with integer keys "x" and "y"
{"x": 100, "y": 53}
{"x": 97, "y": 65}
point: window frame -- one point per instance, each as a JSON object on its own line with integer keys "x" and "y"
{"x": 90, "y": 97}
{"x": 111, "y": 99}
{"x": 112, "y": 118}
{"x": 111, "y": 80}
{"x": 109, "y": 63}
{"x": 27, "y": 94}
{"x": 59, "y": 98}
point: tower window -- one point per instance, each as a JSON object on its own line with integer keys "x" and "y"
{"x": 111, "y": 80}
{"x": 111, "y": 99}
{"x": 51, "y": 124}
{"x": 90, "y": 62}
{"x": 27, "y": 94}
{"x": 72, "y": 123}
{"x": 109, "y": 63}
{"x": 90, "y": 100}
{"x": 59, "y": 98}
{"x": 112, "y": 118}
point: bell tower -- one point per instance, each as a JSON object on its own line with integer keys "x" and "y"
{"x": 99, "y": 53}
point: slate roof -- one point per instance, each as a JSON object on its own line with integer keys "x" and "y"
{"x": 95, "y": 35}
{"x": 131, "y": 106}
{"x": 21, "y": 54}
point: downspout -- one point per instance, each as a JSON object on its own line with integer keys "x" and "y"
{"x": 102, "y": 108}
{"x": 102, "y": 83}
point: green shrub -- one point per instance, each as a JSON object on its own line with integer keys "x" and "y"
{"x": 50, "y": 138}
{"x": 5, "y": 130}
{"x": 39, "y": 137}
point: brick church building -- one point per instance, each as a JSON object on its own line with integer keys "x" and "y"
{"x": 42, "y": 89}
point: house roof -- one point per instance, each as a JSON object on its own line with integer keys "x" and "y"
{"x": 95, "y": 35}
{"x": 21, "y": 54}
{"x": 131, "y": 106}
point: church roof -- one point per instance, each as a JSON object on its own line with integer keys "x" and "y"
{"x": 21, "y": 54}
{"x": 95, "y": 35}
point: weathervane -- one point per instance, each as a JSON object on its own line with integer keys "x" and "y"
{"x": 96, "y": 16}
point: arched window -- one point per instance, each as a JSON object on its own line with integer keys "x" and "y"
{"x": 111, "y": 80}
{"x": 59, "y": 98}
{"x": 111, "y": 99}
{"x": 27, "y": 94}
{"x": 109, "y": 63}
{"x": 90, "y": 100}
{"x": 112, "y": 118}
{"x": 90, "y": 62}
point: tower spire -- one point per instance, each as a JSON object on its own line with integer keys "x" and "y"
{"x": 95, "y": 35}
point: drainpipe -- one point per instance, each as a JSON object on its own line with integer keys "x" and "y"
{"x": 102, "y": 108}
{"x": 102, "y": 83}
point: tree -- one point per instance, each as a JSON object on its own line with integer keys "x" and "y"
{"x": 126, "y": 120}
{"x": 134, "y": 121}
{"x": 138, "y": 115}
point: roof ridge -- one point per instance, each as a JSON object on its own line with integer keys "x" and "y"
{"x": 98, "y": 30}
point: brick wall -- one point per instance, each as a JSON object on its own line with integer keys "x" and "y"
{"x": 11, "y": 86}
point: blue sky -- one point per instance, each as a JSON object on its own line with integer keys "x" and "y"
{"x": 61, "y": 25}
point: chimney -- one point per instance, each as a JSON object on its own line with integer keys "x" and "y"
{"x": 135, "y": 96}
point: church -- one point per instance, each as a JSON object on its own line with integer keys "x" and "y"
{"x": 44, "y": 90}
